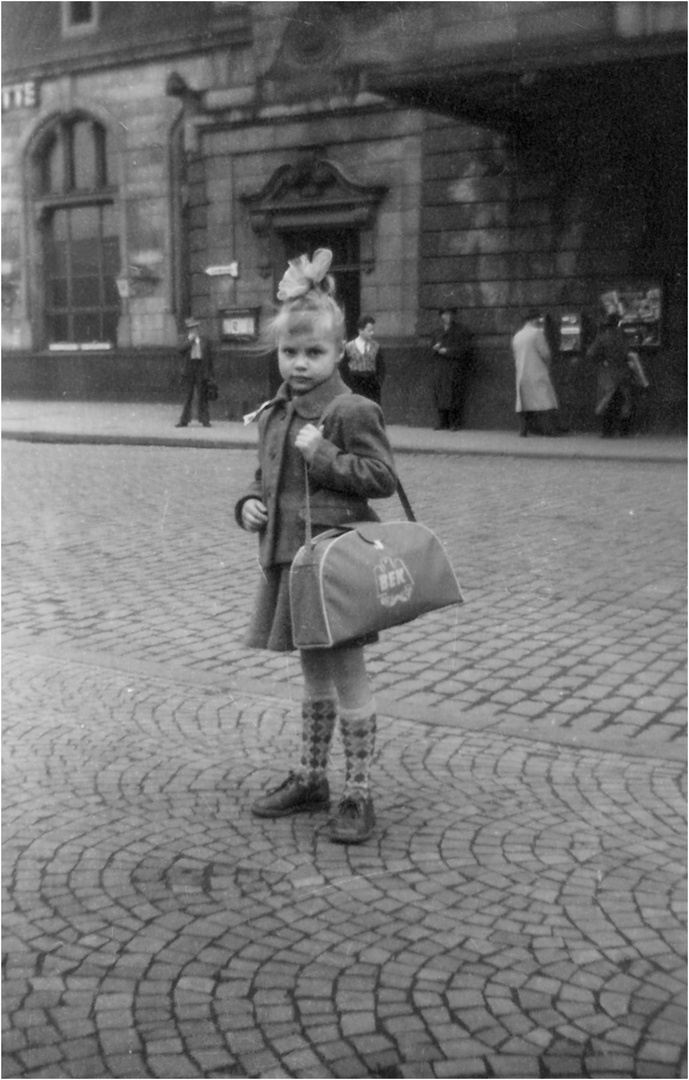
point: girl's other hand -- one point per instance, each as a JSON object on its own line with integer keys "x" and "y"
{"x": 308, "y": 440}
{"x": 254, "y": 515}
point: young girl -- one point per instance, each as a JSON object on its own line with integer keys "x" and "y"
{"x": 348, "y": 460}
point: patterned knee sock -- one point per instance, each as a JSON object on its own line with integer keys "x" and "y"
{"x": 318, "y": 724}
{"x": 358, "y": 727}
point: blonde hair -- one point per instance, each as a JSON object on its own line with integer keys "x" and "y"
{"x": 313, "y": 309}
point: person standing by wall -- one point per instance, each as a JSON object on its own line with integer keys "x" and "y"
{"x": 196, "y": 374}
{"x": 363, "y": 366}
{"x": 452, "y": 353}
{"x": 536, "y": 399}
{"x": 614, "y": 378}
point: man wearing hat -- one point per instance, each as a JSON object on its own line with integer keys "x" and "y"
{"x": 536, "y": 398}
{"x": 198, "y": 370}
{"x": 452, "y": 356}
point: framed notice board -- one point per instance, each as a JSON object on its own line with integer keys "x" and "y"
{"x": 239, "y": 324}
{"x": 639, "y": 308}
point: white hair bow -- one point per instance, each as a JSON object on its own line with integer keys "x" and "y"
{"x": 301, "y": 275}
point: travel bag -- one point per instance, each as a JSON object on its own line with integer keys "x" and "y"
{"x": 368, "y": 576}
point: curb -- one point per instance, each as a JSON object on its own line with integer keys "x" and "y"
{"x": 548, "y": 450}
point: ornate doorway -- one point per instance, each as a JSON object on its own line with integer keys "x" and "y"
{"x": 312, "y": 204}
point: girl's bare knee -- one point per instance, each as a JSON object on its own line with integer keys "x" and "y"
{"x": 350, "y": 677}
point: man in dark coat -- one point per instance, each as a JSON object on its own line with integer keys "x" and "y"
{"x": 614, "y": 379}
{"x": 452, "y": 355}
{"x": 198, "y": 370}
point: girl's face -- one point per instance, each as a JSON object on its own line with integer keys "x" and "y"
{"x": 308, "y": 356}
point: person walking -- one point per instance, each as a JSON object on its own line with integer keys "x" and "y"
{"x": 348, "y": 460}
{"x": 196, "y": 374}
{"x": 610, "y": 353}
{"x": 536, "y": 399}
{"x": 452, "y": 353}
{"x": 363, "y": 366}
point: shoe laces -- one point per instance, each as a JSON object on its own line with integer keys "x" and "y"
{"x": 290, "y": 779}
{"x": 352, "y": 806}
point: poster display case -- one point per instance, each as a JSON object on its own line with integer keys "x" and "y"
{"x": 239, "y": 324}
{"x": 639, "y": 308}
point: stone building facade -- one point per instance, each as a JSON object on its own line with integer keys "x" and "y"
{"x": 166, "y": 159}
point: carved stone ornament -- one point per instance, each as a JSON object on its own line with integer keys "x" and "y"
{"x": 314, "y": 191}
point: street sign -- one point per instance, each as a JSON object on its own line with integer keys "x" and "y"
{"x": 231, "y": 270}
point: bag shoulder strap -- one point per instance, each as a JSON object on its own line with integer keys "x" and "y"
{"x": 406, "y": 505}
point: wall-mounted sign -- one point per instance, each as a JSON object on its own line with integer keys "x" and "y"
{"x": 230, "y": 270}
{"x": 239, "y": 324}
{"x": 79, "y": 346}
{"x": 639, "y": 308}
{"x": 20, "y": 96}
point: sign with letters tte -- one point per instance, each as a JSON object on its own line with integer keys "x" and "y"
{"x": 20, "y": 96}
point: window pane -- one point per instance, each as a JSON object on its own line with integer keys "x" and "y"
{"x": 87, "y": 326}
{"x": 52, "y": 166}
{"x": 59, "y": 225}
{"x": 55, "y": 257}
{"x": 110, "y": 319}
{"x": 80, "y": 14}
{"x": 58, "y": 328}
{"x": 57, "y": 293}
{"x": 84, "y": 156}
{"x": 111, "y": 255}
{"x": 85, "y": 257}
{"x": 110, "y": 220}
{"x": 111, "y": 297}
{"x": 86, "y": 292}
{"x": 85, "y": 222}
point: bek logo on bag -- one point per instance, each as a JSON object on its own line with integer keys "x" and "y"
{"x": 394, "y": 583}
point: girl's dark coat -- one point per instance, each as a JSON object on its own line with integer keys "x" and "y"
{"x": 353, "y": 463}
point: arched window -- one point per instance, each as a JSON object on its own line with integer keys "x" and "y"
{"x": 75, "y": 204}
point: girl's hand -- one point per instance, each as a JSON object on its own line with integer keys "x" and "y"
{"x": 254, "y": 515}
{"x": 308, "y": 441}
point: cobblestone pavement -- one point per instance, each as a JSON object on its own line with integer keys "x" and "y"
{"x": 521, "y": 910}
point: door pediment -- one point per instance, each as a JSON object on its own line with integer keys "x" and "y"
{"x": 312, "y": 192}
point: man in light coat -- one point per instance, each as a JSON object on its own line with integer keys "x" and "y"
{"x": 536, "y": 398}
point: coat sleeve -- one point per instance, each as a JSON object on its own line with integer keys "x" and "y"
{"x": 255, "y": 492}
{"x": 542, "y": 347}
{"x": 355, "y": 456}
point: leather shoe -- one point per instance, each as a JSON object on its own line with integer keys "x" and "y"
{"x": 353, "y": 821}
{"x": 295, "y": 795}
{"x": 180, "y": 424}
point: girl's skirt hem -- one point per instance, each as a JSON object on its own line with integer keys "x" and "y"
{"x": 270, "y": 626}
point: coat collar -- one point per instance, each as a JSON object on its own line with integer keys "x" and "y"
{"x": 310, "y": 406}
